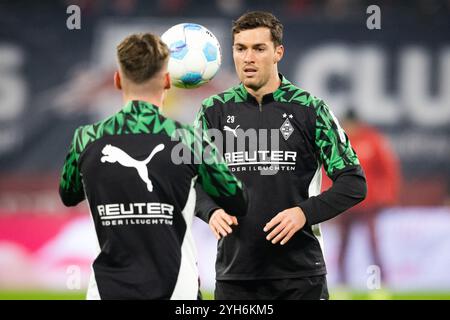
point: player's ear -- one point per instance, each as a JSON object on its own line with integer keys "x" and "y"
{"x": 117, "y": 81}
{"x": 167, "y": 81}
{"x": 279, "y": 52}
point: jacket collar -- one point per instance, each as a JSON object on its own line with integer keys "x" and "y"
{"x": 139, "y": 106}
{"x": 269, "y": 97}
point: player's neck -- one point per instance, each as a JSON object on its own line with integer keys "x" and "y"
{"x": 271, "y": 86}
{"x": 155, "y": 99}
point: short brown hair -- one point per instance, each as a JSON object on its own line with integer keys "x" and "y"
{"x": 257, "y": 19}
{"x": 141, "y": 56}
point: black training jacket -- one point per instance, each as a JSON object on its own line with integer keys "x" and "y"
{"x": 277, "y": 148}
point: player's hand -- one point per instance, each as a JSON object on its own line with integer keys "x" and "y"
{"x": 285, "y": 224}
{"x": 220, "y": 223}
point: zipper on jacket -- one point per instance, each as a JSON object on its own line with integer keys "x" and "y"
{"x": 259, "y": 115}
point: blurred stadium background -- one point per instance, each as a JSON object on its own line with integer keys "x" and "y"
{"x": 53, "y": 79}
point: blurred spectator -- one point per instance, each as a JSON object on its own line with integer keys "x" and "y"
{"x": 230, "y": 7}
{"x": 382, "y": 171}
{"x": 172, "y": 7}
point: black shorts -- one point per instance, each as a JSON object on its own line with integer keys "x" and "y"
{"x": 306, "y": 288}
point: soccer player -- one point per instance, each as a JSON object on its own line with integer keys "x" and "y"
{"x": 275, "y": 251}
{"x": 383, "y": 173}
{"x": 142, "y": 202}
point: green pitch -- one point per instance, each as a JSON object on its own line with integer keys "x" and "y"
{"x": 334, "y": 295}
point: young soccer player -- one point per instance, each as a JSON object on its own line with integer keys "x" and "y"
{"x": 142, "y": 199}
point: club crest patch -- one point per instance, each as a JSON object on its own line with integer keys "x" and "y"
{"x": 287, "y": 128}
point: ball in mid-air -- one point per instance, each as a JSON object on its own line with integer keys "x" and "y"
{"x": 195, "y": 55}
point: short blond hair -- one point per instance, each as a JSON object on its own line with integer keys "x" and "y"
{"x": 141, "y": 56}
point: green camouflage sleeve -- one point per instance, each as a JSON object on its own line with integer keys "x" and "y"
{"x": 201, "y": 122}
{"x": 341, "y": 164}
{"x": 214, "y": 174}
{"x": 219, "y": 187}
{"x": 71, "y": 187}
{"x": 334, "y": 147}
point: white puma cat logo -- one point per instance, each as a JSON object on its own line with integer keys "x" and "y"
{"x": 113, "y": 154}
{"x": 227, "y": 128}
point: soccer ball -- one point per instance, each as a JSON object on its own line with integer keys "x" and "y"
{"x": 195, "y": 55}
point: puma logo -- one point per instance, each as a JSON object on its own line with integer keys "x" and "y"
{"x": 227, "y": 128}
{"x": 113, "y": 154}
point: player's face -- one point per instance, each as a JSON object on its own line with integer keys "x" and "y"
{"x": 255, "y": 57}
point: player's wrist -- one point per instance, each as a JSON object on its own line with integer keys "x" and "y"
{"x": 303, "y": 214}
{"x": 212, "y": 212}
